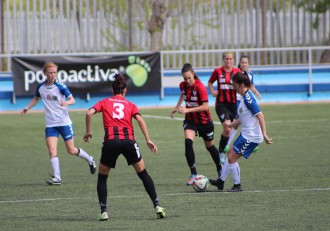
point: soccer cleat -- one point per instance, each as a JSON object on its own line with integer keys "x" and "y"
{"x": 191, "y": 179}
{"x": 92, "y": 167}
{"x": 160, "y": 212}
{"x": 222, "y": 156}
{"x": 53, "y": 181}
{"x": 103, "y": 217}
{"x": 218, "y": 183}
{"x": 236, "y": 188}
{"x": 226, "y": 149}
{"x": 255, "y": 149}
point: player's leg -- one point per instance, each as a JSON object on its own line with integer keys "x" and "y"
{"x": 110, "y": 151}
{"x": 51, "y": 142}
{"x": 134, "y": 157}
{"x": 224, "y": 115}
{"x": 190, "y": 134}
{"x": 67, "y": 132}
{"x": 232, "y": 135}
{"x": 102, "y": 190}
{"x": 149, "y": 187}
{"x": 234, "y": 170}
{"x": 241, "y": 147}
{"x": 207, "y": 133}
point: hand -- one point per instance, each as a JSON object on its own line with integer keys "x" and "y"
{"x": 268, "y": 140}
{"x": 182, "y": 110}
{"x": 64, "y": 103}
{"x": 23, "y": 111}
{"x": 172, "y": 113}
{"x": 214, "y": 93}
{"x": 87, "y": 136}
{"x": 152, "y": 146}
{"x": 227, "y": 124}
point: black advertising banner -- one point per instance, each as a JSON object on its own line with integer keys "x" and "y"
{"x": 89, "y": 74}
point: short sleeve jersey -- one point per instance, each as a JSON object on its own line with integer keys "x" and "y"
{"x": 117, "y": 115}
{"x": 195, "y": 96}
{"x": 52, "y": 96}
{"x": 250, "y": 74}
{"x": 226, "y": 91}
{"x": 247, "y": 111}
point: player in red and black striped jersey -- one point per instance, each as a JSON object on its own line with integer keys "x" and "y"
{"x": 225, "y": 104}
{"x": 119, "y": 139}
{"x": 198, "y": 120}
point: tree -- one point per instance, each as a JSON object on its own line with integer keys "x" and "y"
{"x": 318, "y": 7}
{"x": 156, "y": 22}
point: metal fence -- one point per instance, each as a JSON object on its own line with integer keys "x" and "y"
{"x": 85, "y": 26}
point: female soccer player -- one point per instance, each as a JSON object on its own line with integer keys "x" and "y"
{"x": 244, "y": 66}
{"x": 225, "y": 104}
{"x": 56, "y": 98}
{"x": 119, "y": 139}
{"x": 253, "y": 132}
{"x": 198, "y": 119}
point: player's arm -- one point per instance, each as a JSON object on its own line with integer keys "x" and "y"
{"x": 176, "y": 109}
{"x": 262, "y": 123}
{"x": 213, "y": 92}
{"x": 200, "y": 108}
{"x": 255, "y": 91}
{"x": 33, "y": 102}
{"x": 70, "y": 100}
{"x": 88, "y": 135}
{"x": 233, "y": 124}
{"x": 144, "y": 129}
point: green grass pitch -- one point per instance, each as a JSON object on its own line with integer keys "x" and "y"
{"x": 286, "y": 185}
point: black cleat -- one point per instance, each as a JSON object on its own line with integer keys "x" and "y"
{"x": 218, "y": 183}
{"x": 92, "y": 167}
{"x": 236, "y": 188}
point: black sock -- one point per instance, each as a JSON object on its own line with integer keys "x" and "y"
{"x": 190, "y": 156}
{"x": 223, "y": 143}
{"x": 149, "y": 186}
{"x": 215, "y": 156}
{"x": 102, "y": 191}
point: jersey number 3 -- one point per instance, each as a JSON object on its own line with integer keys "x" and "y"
{"x": 118, "y": 112}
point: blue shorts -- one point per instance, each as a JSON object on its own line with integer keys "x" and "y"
{"x": 243, "y": 146}
{"x": 67, "y": 132}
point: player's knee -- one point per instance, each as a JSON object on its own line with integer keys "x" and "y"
{"x": 72, "y": 150}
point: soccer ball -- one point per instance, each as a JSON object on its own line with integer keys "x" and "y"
{"x": 201, "y": 183}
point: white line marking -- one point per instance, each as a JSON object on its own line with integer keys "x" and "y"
{"x": 216, "y": 122}
{"x": 170, "y": 194}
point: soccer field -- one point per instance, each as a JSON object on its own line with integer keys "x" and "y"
{"x": 286, "y": 184}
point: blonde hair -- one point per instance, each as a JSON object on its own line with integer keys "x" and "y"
{"x": 47, "y": 65}
{"x": 227, "y": 53}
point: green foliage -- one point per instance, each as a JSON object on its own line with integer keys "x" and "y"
{"x": 283, "y": 182}
{"x": 318, "y": 7}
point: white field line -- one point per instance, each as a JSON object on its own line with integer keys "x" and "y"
{"x": 171, "y": 194}
{"x": 217, "y": 122}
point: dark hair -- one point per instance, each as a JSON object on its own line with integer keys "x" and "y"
{"x": 119, "y": 84}
{"x": 242, "y": 78}
{"x": 240, "y": 60}
{"x": 187, "y": 67}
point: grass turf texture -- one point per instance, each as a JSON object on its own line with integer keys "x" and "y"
{"x": 286, "y": 185}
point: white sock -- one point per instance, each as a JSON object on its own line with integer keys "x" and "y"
{"x": 84, "y": 155}
{"x": 55, "y": 163}
{"x": 232, "y": 134}
{"x": 225, "y": 170}
{"x": 235, "y": 173}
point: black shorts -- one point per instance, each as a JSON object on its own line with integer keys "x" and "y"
{"x": 113, "y": 148}
{"x": 226, "y": 111}
{"x": 206, "y": 131}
